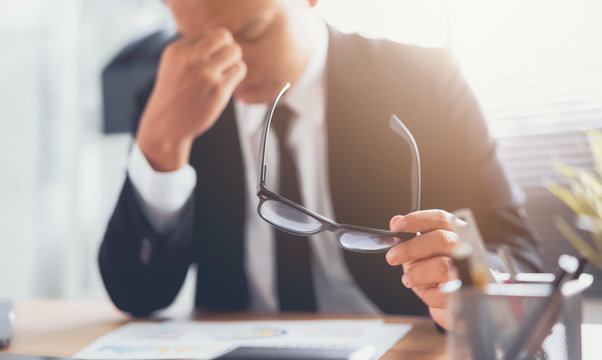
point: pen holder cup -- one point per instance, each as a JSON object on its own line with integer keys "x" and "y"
{"x": 523, "y": 320}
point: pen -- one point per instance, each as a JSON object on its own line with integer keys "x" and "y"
{"x": 536, "y": 325}
{"x": 537, "y": 338}
{"x": 510, "y": 267}
{"x": 548, "y": 320}
{"x": 504, "y": 253}
{"x": 582, "y": 264}
{"x": 465, "y": 225}
{"x": 460, "y": 257}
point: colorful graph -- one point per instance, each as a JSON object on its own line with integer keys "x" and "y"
{"x": 249, "y": 334}
{"x": 159, "y": 350}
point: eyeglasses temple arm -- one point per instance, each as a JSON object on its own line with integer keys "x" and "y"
{"x": 400, "y": 128}
{"x": 264, "y": 137}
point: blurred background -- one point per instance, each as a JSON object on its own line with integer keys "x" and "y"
{"x": 535, "y": 65}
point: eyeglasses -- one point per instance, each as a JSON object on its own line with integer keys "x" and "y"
{"x": 293, "y": 218}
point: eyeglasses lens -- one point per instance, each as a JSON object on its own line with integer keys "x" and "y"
{"x": 287, "y": 217}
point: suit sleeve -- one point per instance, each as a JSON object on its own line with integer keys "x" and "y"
{"x": 143, "y": 260}
{"x": 143, "y": 270}
{"x": 497, "y": 202}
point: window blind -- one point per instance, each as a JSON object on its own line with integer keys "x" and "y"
{"x": 536, "y": 67}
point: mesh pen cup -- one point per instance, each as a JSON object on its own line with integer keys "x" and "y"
{"x": 525, "y": 320}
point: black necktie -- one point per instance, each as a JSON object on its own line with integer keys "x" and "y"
{"x": 293, "y": 257}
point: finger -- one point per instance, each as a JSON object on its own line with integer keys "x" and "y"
{"x": 429, "y": 272}
{"x": 234, "y": 74}
{"x": 225, "y": 58}
{"x": 422, "y": 221}
{"x": 441, "y": 317}
{"x": 432, "y": 296}
{"x": 423, "y": 246}
{"x": 209, "y": 45}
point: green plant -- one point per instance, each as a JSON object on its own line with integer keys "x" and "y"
{"x": 583, "y": 195}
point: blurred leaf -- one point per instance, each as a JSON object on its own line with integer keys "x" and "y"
{"x": 589, "y": 223}
{"x": 581, "y": 245}
{"x": 594, "y": 137}
{"x": 584, "y": 196}
{"x": 567, "y": 197}
{"x": 568, "y": 170}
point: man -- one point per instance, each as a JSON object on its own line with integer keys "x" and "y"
{"x": 190, "y": 195}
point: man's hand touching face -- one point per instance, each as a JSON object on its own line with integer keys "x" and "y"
{"x": 196, "y": 78}
{"x": 425, "y": 260}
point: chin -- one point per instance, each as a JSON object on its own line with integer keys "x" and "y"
{"x": 251, "y": 99}
{"x": 261, "y": 95}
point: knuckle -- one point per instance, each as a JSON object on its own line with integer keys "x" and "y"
{"x": 237, "y": 71}
{"x": 417, "y": 273}
{"x": 410, "y": 277}
{"x": 222, "y": 34}
{"x": 444, "y": 265}
{"x": 236, "y": 50}
{"x": 393, "y": 221}
{"x": 441, "y": 217}
{"x": 440, "y": 237}
{"x": 398, "y": 255}
{"x": 445, "y": 241}
{"x": 210, "y": 74}
{"x": 406, "y": 253}
{"x": 238, "y": 67}
{"x": 229, "y": 53}
{"x": 243, "y": 68}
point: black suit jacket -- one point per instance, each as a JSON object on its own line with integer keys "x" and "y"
{"x": 369, "y": 165}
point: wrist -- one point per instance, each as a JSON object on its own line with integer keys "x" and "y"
{"x": 165, "y": 154}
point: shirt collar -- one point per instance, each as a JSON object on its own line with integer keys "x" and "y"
{"x": 306, "y": 97}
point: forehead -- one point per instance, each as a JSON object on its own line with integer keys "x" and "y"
{"x": 198, "y": 16}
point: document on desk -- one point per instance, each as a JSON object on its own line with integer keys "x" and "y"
{"x": 207, "y": 340}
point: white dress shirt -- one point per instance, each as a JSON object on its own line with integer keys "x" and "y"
{"x": 162, "y": 196}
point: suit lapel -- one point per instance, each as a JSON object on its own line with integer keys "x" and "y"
{"x": 219, "y": 216}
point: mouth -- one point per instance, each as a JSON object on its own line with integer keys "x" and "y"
{"x": 250, "y": 89}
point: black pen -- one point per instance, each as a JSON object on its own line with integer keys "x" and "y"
{"x": 582, "y": 264}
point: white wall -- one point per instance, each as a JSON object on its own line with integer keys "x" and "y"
{"x": 59, "y": 177}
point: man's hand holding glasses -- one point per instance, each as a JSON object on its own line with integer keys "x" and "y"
{"x": 419, "y": 241}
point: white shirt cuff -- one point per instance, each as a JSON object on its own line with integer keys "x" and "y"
{"x": 162, "y": 195}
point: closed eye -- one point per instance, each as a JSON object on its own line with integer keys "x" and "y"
{"x": 256, "y": 29}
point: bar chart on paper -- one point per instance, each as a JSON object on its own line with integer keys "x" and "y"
{"x": 206, "y": 340}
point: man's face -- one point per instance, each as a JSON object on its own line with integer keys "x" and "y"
{"x": 270, "y": 33}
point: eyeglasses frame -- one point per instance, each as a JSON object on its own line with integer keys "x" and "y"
{"x": 264, "y": 194}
